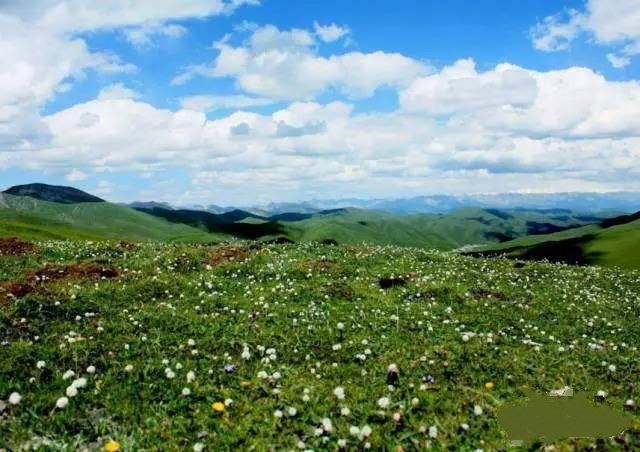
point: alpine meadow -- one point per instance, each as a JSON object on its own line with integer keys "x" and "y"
{"x": 274, "y": 225}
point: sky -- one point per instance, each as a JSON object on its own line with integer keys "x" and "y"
{"x": 246, "y": 102}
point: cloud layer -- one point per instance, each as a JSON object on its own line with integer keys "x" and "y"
{"x": 455, "y": 128}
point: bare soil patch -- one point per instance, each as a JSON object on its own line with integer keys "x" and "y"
{"x": 13, "y": 246}
{"x": 225, "y": 254}
{"x": 13, "y": 289}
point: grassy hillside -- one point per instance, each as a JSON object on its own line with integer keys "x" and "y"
{"x": 34, "y": 219}
{"x": 442, "y": 231}
{"x": 613, "y": 242}
{"x": 300, "y": 347}
{"x": 31, "y": 217}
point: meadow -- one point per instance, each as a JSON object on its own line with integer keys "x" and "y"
{"x": 252, "y": 346}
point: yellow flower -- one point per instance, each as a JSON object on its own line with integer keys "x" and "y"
{"x": 245, "y": 383}
{"x": 112, "y": 446}
{"x": 218, "y": 406}
{"x": 489, "y": 385}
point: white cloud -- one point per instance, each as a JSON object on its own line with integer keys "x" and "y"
{"x": 116, "y": 91}
{"x": 75, "y": 176}
{"x": 143, "y": 36}
{"x": 461, "y": 88}
{"x": 575, "y": 102}
{"x": 285, "y": 65}
{"x": 331, "y": 32}
{"x": 556, "y": 32}
{"x": 458, "y": 129}
{"x": 573, "y": 129}
{"x": 207, "y": 103}
{"x": 80, "y": 15}
{"x": 611, "y": 23}
{"x": 41, "y": 53}
{"x": 35, "y": 65}
{"x": 618, "y": 61}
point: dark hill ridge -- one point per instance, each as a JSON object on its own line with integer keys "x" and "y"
{"x": 53, "y": 193}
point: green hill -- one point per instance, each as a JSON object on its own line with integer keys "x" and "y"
{"x": 32, "y": 218}
{"x": 39, "y": 211}
{"x": 53, "y": 193}
{"x": 443, "y": 231}
{"x": 612, "y": 242}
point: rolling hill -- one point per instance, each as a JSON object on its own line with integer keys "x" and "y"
{"x": 32, "y": 218}
{"x": 443, "y": 231}
{"x": 614, "y": 241}
{"x": 39, "y": 211}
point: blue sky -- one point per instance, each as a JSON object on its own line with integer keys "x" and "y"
{"x": 255, "y": 101}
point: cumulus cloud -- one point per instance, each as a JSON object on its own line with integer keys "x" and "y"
{"x": 207, "y": 103}
{"x": 42, "y": 53}
{"x": 457, "y": 129}
{"x": 460, "y": 87}
{"x": 575, "y": 102}
{"x": 35, "y": 65}
{"x": 483, "y": 140}
{"x": 610, "y": 23}
{"x": 285, "y": 65}
{"x": 331, "y": 32}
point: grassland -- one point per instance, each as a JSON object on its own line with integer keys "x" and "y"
{"x": 34, "y": 219}
{"x": 267, "y": 347}
{"x": 597, "y": 244}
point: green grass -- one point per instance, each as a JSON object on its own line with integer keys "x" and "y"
{"x": 539, "y": 327}
{"x": 34, "y": 219}
{"x": 595, "y": 245}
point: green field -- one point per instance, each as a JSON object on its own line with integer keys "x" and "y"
{"x": 280, "y": 347}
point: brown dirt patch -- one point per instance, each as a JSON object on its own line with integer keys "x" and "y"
{"x": 13, "y": 246}
{"x": 225, "y": 254}
{"x": 13, "y": 289}
{"x": 73, "y": 271}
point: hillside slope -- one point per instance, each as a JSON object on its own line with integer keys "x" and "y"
{"x": 612, "y": 242}
{"x": 35, "y": 219}
{"x": 442, "y": 231}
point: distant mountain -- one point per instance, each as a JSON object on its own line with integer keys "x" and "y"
{"x": 147, "y": 205}
{"x": 53, "y": 193}
{"x": 614, "y": 241}
{"x": 211, "y": 208}
{"x": 580, "y": 202}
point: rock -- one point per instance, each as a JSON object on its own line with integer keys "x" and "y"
{"x": 562, "y": 392}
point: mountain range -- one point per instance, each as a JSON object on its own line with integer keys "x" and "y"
{"x": 602, "y": 232}
{"x": 582, "y": 202}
